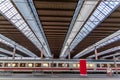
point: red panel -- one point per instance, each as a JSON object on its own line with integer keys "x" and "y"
{"x": 83, "y": 69}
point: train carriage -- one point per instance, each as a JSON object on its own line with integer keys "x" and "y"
{"x": 57, "y": 65}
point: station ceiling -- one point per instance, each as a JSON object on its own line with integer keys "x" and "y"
{"x": 52, "y": 23}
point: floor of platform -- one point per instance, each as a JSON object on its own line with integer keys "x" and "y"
{"x": 58, "y": 76}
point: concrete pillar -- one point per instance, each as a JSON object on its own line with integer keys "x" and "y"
{"x": 14, "y": 51}
{"x": 96, "y": 54}
{"x": 69, "y": 56}
{"x": 115, "y": 63}
{"x": 41, "y": 54}
{"x": 62, "y": 58}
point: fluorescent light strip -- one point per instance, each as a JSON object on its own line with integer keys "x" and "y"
{"x": 86, "y": 10}
{"x": 106, "y": 51}
{"x": 116, "y": 54}
{"x": 110, "y": 39}
{"x": 11, "y": 43}
{"x": 9, "y": 11}
{"x": 2, "y": 55}
{"x": 118, "y": 57}
{"x": 19, "y": 58}
{"x": 8, "y": 52}
{"x": 25, "y": 10}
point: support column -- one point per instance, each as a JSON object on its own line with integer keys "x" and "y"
{"x": 62, "y": 58}
{"x": 69, "y": 56}
{"x": 96, "y": 54}
{"x": 41, "y": 54}
{"x": 116, "y": 70}
{"x": 14, "y": 52}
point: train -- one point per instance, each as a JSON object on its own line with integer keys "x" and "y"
{"x": 57, "y": 65}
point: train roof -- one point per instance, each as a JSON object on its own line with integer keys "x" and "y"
{"x": 63, "y": 60}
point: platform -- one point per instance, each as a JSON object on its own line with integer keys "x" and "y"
{"x": 59, "y": 77}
